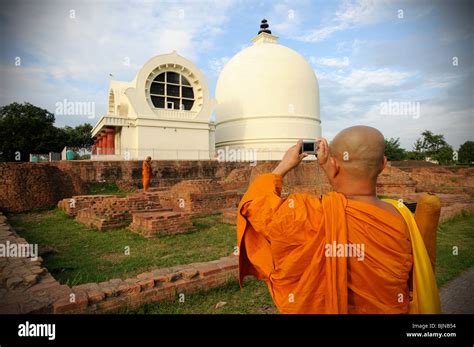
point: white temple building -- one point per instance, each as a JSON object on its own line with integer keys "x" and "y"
{"x": 163, "y": 113}
{"x": 267, "y": 97}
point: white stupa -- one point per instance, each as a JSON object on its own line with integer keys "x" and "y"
{"x": 267, "y": 98}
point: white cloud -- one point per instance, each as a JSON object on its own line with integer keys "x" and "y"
{"x": 350, "y": 14}
{"x": 360, "y": 12}
{"x": 285, "y": 18}
{"x": 175, "y": 40}
{"x": 440, "y": 80}
{"x": 363, "y": 78}
{"x": 331, "y": 62}
{"x": 320, "y": 34}
{"x": 359, "y": 80}
{"x": 216, "y": 65}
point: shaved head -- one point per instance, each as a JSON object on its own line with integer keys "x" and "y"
{"x": 359, "y": 151}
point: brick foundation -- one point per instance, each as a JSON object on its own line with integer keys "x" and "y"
{"x": 110, "y": 212}
{"x": 149, "y": 224}
{"x": 199, "y": 197}
{"x": 79, "y": 202}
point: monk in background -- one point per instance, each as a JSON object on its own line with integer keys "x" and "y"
{"x": 146, "y": 171}
{"x": 347, "y": 252}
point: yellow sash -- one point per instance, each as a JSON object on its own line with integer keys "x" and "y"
{"x": 425, "y": 291}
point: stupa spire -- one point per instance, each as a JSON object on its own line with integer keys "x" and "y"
{"x": 264, "y": 27}
{"x": 264, "y": 34}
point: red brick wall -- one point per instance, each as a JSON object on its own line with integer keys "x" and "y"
{"x": 165, "y": 173}
{"x": 27, "y": 186}
{"x": 442, "y": 180}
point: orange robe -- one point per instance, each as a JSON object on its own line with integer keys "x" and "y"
{"x": 285, "y": 243}
{"x": 146, "y": 170}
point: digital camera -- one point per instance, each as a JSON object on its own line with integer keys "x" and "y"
{"x": 310, "y": 147}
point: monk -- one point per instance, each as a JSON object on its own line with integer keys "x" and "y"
{"x": 146, "y": 171}
{"x": 344, "y": 252}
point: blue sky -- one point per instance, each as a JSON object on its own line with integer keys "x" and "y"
{"x": 366, "y": 54}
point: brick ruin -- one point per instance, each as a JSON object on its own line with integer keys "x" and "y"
{"x": 194, "y": 187}
{"x": 26, "y": 186}
{"x": 199, "y": 197}
{"x": 115, "y": 211}
{"x": 149, "y": 224}
{"x": 26, "y": 286}
{"x": 158, "y": 211}
{"x": 77, "y": 203}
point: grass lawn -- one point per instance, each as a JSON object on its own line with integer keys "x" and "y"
{"x": 457, "y": 232}
{"x": 252, "y": 298}
{"x": 106, "y": 188}
{"x": 78, "y": 254}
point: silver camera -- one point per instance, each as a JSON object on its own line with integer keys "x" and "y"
{"x": 310, "y": 147}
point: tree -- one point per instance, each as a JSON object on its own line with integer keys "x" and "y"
{"x": 429, "y": 143}
{"x": 79, "y": 137}
{"x": 393, "y": 151}
{"x": 414, "y": 155}
{"x": 433, "y": 146}
{"x": 444, "y": 155}
{"x": 466, "y": 152}
{"x": 26, "y": 129}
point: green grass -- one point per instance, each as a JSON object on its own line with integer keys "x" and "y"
{"x": 109, "y": 188}
{"x": 82, "y": 255}
{"x": 457, "y": 232}
{"x": 253, "y": 298}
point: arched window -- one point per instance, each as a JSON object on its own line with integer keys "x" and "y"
{"x": 171, "y": 90}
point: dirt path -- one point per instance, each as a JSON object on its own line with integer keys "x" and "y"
{"x": 458, "y": 295}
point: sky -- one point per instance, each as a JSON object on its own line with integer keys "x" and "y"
{"x": 400, "y": 66}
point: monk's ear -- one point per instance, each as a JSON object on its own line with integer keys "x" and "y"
{"x": 335, "y": 168}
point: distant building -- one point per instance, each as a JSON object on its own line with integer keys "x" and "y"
{"x": 431, "y": 160}
{"x": 164, "y": 113}
{"x": 267, "y": 98}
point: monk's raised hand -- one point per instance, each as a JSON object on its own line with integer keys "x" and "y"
{"x": 290, "y": 160}
{"x": 323, "y": 150}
